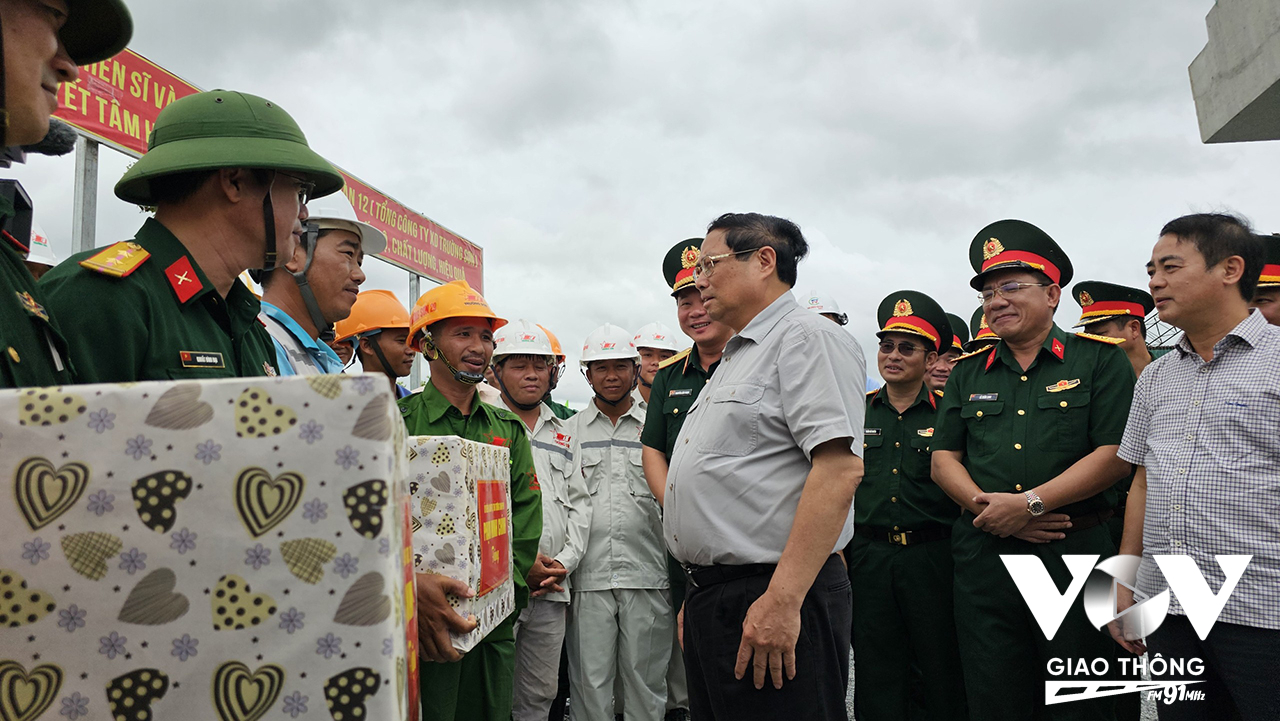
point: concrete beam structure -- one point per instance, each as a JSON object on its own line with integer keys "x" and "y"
{"x": 1235, "y": 80}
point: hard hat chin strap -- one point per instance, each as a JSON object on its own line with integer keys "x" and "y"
{"x": 269, "y": 221}
{"x": 310, "y": 231}
{"x": 429, "y": 348}
{"x": 635, "y": 377}
{"x": 377, "y": 351}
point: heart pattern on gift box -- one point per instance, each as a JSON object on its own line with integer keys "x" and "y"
{"x": 130, "y": 696}
{"x": 44, "y": 492}
{"x": 428, "y": 505}
{"x": 153, "y": 601}
{"x": 364, "y": 503}
{"x": 20, "y": 605}
{"x": 87, "y": 553}
{"x": 236, "y": 606}
{"x": 24, "y": 695}
{"x": 47, "y": 406}
{"x": 329, "y": 386}
{"x": 257, "y": 416}
{"x": 156, "y": 497}
{"x": 441, "y": 482}
{"x": 374, "y": 423}
{"x": 264, "y": 502}
{"x": 414, "y": 524}
{"x": 365, "y": 603}
{"x": 306, "y": 557}
{"x": 243, "y": 695}
{"x": 346, "y": 693}
{"x": 180, "y": 409}
{"x": 446, "y": 527}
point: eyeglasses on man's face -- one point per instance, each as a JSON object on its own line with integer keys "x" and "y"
{"x": 305, "y": 187}
{"x": 905, "y": 349}
{"x": 707, "y": 263}
{"x": 1006, "y": 290}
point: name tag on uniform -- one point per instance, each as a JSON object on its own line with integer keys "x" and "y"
{"x": 201, "y": 359}
{"x": 679, "y": 392}
{"x": 983, "y": 397}
{"x": 872, "y": 431}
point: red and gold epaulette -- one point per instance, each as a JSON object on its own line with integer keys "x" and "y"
{"x": 1100, "y": 338}
{"x": 675, "y": 358}
{"x": 977, "y": 352}
{"x": 117, "y": 260}
{"x": 938, "y": 393}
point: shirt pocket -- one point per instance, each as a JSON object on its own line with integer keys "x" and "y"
{"x": 873, "y": 454}
{"x": 916, "y": 459}
{"x": 1063, "y": 421}
{"x": 734, "y": 428}
{"x": 981, "y": 421}
{"x": 558, "y": 486}
{"x": 1240, "y": 425}
{"x": 592, "y": 473}
{"x": 635, "y": 474}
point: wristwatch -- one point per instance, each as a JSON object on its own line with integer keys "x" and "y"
{"x": 1035, "y": 506}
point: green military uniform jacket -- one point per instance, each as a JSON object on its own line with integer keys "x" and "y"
{"x": 676, "y": 386}
{"x": 897, "y": 490}
{"x": 1019, "y": 430}
{"x": 161, "y": 321}
{"x": 429, "y": 413}
{"x": 560, "y": 410}
{"x": 32, "y": 351}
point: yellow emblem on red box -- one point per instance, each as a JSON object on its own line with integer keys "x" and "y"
{"x": 992, "y": 249}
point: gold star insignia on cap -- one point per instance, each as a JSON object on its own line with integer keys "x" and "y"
{"x": 1086, "y": 300}
{"x": 902, "y": 309}
{"x": 689, "y": 258}
{"x": 992, "y": 249}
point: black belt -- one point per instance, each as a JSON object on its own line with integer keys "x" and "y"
{"x": 1089, "y": 520}
{"x": 904, "y": 538}
{"x": 703, "y": 576}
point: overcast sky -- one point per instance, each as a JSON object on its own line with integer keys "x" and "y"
{"x": 577, "y": 141}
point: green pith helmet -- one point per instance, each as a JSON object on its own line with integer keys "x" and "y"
{"x": 1007, "y": 244}
{"x": 959, "y": 333}
{"x": 225, "y": 129}
{"x": 677, "y": 266}
{"x": 96, "y": 29}
{"x": 1101, "y": 301}
{"x": 913, "y": 312}
{"x": 980, "y": 331}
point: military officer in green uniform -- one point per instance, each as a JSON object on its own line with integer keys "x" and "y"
{"x": 229, "y": 175}
{"x": 44, "y": 42}
{"x": 1029, "y": 426}
{"x": 453, "y": 326}
{"x": 675, "y": 386}
{"x": 1116, "y": 311}
{"x": 940, "y": 371}
{"x": 1266, "y": 298}
{"x": 982, "y": 335}
{"x": 899, "y": 559}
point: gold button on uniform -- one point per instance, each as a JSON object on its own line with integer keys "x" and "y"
{"x": 1017, "y": 446}
{"x": 1024, "y": 378}
{"x": 864, "y": 445}
{"x": 978, "y": 414}
{"x": 13, "y": 353}
{"x": 897, "y": 444}
{"x": 1063, "y": 404}
{"x": 893, "y": 499}
{"x": 1018, "y": 487}
{"x": 1021, "y": 412}
{"x": 895, "y": 471}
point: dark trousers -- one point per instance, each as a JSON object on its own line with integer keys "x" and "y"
{"x": 904, "y": 631}
{"x": 1241, "y": 670}
{"x": 713, "y": 618}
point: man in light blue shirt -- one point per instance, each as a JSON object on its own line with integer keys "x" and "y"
{"x": 303, "y": 298}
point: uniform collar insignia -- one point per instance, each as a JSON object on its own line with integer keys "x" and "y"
{"x": 30, "y": 305}
{"x": 182, "y": 278}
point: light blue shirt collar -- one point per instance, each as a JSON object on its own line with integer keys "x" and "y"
{"x": 325, "y": 357}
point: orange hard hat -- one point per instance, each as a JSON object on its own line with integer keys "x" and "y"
{"x": 373, "y": 310}
{"x": 454, "y": 299}
{"x": 555, "y": 342}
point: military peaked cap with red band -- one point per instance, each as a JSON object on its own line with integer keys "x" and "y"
{"x": 914, "y": 313}
{"x": 1017, "y": 244}
{"x": 1101, "y": 301}
{"x": 959, "y": 333}
{"x": 981, "y": 332}
{"x": 678, "y": 265}
{"x": 1270, "y": 277}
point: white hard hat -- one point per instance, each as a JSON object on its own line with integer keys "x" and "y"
{"x": 607, "y": 343}
{"x": 334, "y": 212}
{"x": 40, "y": 251}
{"x": 821, "y": 303}
{"x": 656, "y": 335}
{"x": 520, "y": 337}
